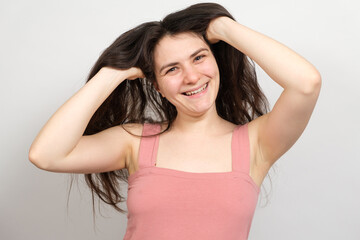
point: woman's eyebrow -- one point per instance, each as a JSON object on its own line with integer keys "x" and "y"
{"x": 191, "y": 56}
{"x": 197, "y": 51}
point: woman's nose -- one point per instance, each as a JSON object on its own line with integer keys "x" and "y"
{"x": 192, "y": 75}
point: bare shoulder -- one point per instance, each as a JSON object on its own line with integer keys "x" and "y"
{"x": 134, "y": 129}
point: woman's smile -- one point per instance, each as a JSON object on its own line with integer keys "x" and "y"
{"x": 197, "y": 92}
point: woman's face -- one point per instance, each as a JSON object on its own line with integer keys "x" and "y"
{"x": 187, "y": 73}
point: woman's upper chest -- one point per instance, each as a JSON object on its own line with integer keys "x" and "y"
{"x": 193, "y": 153}
{"x": 199, "y": 155}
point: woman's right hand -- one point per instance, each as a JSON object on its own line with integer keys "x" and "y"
{"x": 130, "y": 73}
{"x": 135, "y": 73}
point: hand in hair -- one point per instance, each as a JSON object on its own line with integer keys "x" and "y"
{"x": 135, "y": 73}
{"x": 214, "y": 30}
{"x": 130, "y": 73}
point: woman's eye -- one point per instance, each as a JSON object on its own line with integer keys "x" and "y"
{"x": 171, "y": 70}
{"x": 199, "y": 57}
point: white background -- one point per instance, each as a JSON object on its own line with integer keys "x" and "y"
{"x": 47, "y": 49}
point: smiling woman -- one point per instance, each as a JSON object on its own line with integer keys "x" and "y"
{"x": 191, "y": 80}
{"x": 174, "y": 108}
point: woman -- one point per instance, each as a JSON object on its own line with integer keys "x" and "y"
{"x": 186, "y": 86}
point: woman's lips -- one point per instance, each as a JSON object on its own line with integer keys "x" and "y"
{"x": 199, "y": 90}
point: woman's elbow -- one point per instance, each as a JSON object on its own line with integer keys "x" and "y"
{"x": 38, "y": 162}
{"x": 313, "y": 83}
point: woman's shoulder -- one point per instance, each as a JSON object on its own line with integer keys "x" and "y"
{"x": 156, "y": 127}
{"x": 134, "y": 129}
{"x": 137, "y": 129}
{"x": 135, "y": 132}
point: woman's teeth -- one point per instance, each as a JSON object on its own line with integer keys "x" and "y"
{"x": 196, "y": 91}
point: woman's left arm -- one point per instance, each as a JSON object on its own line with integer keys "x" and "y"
{"x": 279, "y": 129}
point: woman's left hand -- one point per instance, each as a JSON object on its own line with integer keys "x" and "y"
{"x": 214, "y": 32}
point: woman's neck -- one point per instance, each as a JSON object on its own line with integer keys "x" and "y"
{"x": 206, "y": 123}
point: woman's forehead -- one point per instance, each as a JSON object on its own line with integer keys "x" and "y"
{"x": 176, "y": 47}
{"x": 179, "y": 38}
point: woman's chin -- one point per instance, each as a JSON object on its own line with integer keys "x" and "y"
{"x": 199, "y": 110}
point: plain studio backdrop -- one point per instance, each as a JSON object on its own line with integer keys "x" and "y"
{"x": 47, "y": 49}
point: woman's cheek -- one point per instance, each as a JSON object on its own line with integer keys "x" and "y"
{"x": 172, "y": 84}
{"x": 210, "y": 70}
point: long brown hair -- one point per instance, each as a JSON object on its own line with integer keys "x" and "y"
{"x": 239, "y": 99}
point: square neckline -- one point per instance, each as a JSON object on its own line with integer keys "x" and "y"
{"x": 234, "y": 173}
{"x": 181, "y": 172}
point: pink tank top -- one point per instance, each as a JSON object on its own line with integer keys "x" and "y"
{"x": 171, "y": 204}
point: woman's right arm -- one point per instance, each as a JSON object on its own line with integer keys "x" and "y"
{"x": 60, "y": 146}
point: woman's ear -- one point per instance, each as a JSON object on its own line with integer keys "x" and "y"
{"x": 156, "y": 86}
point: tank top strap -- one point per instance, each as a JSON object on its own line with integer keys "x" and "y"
{"x": 241, "y": 149}
{"x": 148, "y": 145}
